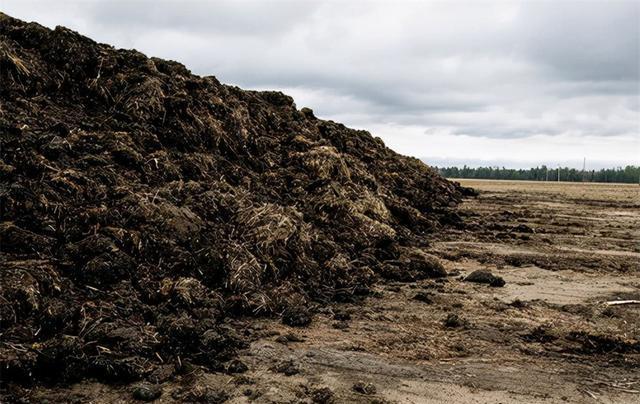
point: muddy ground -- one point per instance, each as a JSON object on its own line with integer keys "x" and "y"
{"x": 546, "y": 336}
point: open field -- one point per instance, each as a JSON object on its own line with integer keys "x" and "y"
{"x": 545, "y": 337}
{"x": 571, "y": 190}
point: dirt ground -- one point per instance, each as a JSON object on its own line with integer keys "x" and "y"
{"x": 547, "y": 336}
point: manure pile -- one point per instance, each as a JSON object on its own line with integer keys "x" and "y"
{"x": 141, "y": 205}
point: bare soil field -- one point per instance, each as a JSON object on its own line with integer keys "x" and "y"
{"x": 546, "y": 336}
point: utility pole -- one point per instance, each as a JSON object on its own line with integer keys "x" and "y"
{"x": 558, "y": 172}
{"x": 584, "y": 165}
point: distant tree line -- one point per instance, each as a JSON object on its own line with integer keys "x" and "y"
{"x": 628, "y": 174}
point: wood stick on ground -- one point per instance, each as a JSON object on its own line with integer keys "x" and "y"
{"x": 621, "y": 302}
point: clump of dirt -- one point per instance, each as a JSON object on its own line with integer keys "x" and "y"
{"x": 140, "y": 205}
{"x": 323, "y": 395}
{"x": 483, "y": 276}
{"x": 454, "y": 321}
{"x": 146, "y": 392}
{"x": 364, "y": 388}
{"x": 288, "y": 368}
{"x": 424, "y": 297}
{"x": 296, "y": 316}
{"x": 200, "y": 394}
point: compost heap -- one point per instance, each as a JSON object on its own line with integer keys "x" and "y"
{"x": 141, "y": 205}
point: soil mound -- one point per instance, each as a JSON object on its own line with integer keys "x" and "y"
{"x": 140, "y": 205}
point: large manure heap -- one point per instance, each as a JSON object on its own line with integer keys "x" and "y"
{"x": 141, "y": 205}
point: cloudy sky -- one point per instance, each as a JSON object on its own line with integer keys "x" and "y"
{"x": 503, "y": 82}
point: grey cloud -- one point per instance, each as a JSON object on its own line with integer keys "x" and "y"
{"x": 481, "y": 69}
{"x": 585, "y": 40}
{"x": 228, "y": 17}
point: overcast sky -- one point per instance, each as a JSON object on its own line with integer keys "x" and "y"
{"x": 509, "y": 83}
